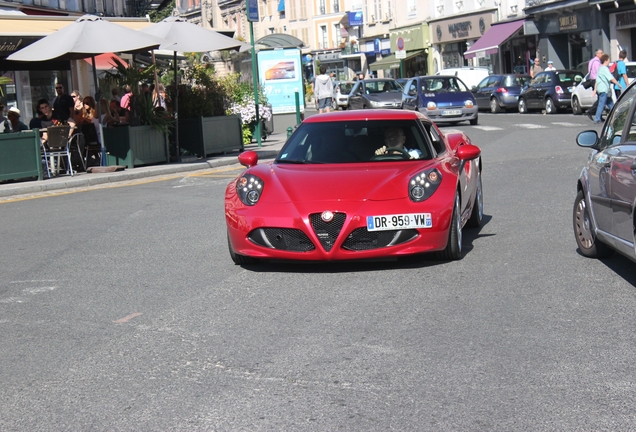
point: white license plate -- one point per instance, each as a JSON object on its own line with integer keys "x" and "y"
{"x": 400, "y": 221}
{"x": 451, "y": 112}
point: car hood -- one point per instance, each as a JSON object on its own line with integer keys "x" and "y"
{"x": 377, "y": 181}
{"x": 385, "y": 97}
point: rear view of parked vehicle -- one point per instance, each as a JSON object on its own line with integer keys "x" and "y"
{"x": 500, "y": 92}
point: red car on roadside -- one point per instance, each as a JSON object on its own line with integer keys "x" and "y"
{"x": 357, "y": 185}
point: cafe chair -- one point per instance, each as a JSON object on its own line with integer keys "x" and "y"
{"x": 57, "y": 146}
{"x": 92, "y": 147}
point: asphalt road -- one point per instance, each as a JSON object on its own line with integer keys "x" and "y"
{"x": 120, "y": 309}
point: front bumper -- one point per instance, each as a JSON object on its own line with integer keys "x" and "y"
{"x": 295, "y": 232}
{"x": 440, "y": 116}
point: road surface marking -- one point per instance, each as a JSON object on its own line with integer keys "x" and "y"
{"x": 128, "y": 318}
{"x": 488, "y": 128}
{"x": 566, "y": 124}
{"x": 531, "y": 126}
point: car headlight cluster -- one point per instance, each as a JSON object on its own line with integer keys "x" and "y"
{"x": 469, "y": 104}
{"x": 431, "y": 106}
{"x": 424, "y": 184}
{"x": 375, "y": 104}
{"x": 249, "y": 189}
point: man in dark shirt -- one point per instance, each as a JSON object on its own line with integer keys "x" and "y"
{"x": 44, "y": 118}
{"x": 62, "y": 104}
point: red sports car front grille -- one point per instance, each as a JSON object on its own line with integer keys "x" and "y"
{"x": 327, "y": 232}
{"x": 288, "y": 239}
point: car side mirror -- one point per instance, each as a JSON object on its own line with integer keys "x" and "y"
{"x": 412, "y": 92}
{"x": 468, "y": 152}
{"x": 587, "y": 139}
{"x": 248, "y": 158}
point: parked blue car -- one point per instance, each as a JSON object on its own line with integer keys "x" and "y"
{"x": 500, "y": 92}
{"x": 444, "y": 99}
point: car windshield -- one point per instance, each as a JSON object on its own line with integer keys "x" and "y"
{"x": 516, "y": 80}
{"x": 345, "y": 88}
{"x": 355, "y": 142}
{"x": 382, "y": 86}
{"x": 569, "y": 77}
{"x": 442, "y": 85}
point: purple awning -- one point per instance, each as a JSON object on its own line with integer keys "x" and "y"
{"x": 495, "y": 36}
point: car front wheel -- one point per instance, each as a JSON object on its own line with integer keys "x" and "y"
{"x": 521, "y": 105}
{"x": 453, "y": 250}
{"x": 239, "y": 259}
{"x": 583, "y": 232}
{"x": 477, "y": 215}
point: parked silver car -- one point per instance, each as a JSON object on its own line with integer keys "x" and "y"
{"x": 341, "y": 93}
{"x": 376, "y": 93}
{"x": 582, "y": 98}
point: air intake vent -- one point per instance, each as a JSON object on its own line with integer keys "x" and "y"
{"x": 327, "y": 232}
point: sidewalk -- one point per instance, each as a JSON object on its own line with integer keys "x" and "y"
{"x": 269, "y": 149}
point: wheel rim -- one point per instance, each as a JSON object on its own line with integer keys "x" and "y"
{"x": 522, "y": 106}
{"x": 480, "y": 200}
{"x": 493, "y": 105}
{"x": 458, "y": 222}
{"x": 549, "y": 106}
{"x": 583, "y": 225}
{"x": 575, "y": 105}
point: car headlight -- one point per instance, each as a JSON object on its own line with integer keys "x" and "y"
{"x": 469, "y": 104}
{"x": 375, "y": 104}
{"x": 424, "y": 184}
{"x": 431, "y": 106}
{"x": 249, "y": 189}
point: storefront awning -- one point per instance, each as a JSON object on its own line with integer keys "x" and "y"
{"x": 105, "y": 61}
{"x": 281, "y": 6}
{"x": 388, "y": 62}
{"x": 495, "y": 36}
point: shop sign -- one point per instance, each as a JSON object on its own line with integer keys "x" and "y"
{"x": 414, "y": 38}
{"x": 626, "y": 19}
{"x": 467, "y": 27}
{"x": 355, "y": 18}
{"x": 568, "y": 23}
{"x": 11, "y": 44}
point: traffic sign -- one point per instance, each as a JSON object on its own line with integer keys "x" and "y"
{"x": 400, "y": 54}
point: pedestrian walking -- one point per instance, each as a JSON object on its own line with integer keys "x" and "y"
{"x": 536, "y": 68}
{"x": 323, "y": 90}
{"x": 602, "y": 88}
{"x": 622, "y": 73}
{"x": 592, "y": 70}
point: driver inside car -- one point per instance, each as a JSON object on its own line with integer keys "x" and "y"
{"x": 394, "y": 140}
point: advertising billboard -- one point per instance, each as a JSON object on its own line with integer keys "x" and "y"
{"x": 280, "y": 75}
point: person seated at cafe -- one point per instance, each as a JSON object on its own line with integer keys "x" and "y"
{"x": 45, "y": 116}
{"x": 107, "y": 120}
{"x": 2, "y": 117}
{"x": 13, "y": 123}
{"x": 126, "y": 100}
{"x": 62, "y": 104}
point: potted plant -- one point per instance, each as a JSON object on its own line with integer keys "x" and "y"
{"x": 205, "y": 127}
{"x": 144, "y": 140}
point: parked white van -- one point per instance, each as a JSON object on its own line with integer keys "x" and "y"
{"x": 471, "y": 76}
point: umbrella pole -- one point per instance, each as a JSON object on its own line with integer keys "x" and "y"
{"x": 98, "y": 96}
{"x": 176, "y": 108}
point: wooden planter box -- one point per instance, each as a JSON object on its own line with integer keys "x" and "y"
{"x": 20, "y": 155}
{"x": 135, "y": 145}
{"x": 204, "y": 136}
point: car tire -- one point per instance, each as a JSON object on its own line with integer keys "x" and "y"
{"x": 576, "y": 106}
{"x": 522, "y": 107}
{"x": 588, "y": 244}
{"x": 550, "y": 107}
{"x": 477, "y": 215}
{"x": 475, "y": 121}
{"x": 494, "y": 106}
{"x": 239, "y": 259}
{"x": 453, "y": 250}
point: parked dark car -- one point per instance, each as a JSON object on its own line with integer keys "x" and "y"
{"x": 499, "y": 92}
{"x": 444, "y": 99}
{"x": 603, "y": 214}
{"x": 550, "y": 91}
{"x": 376, "y": 93}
